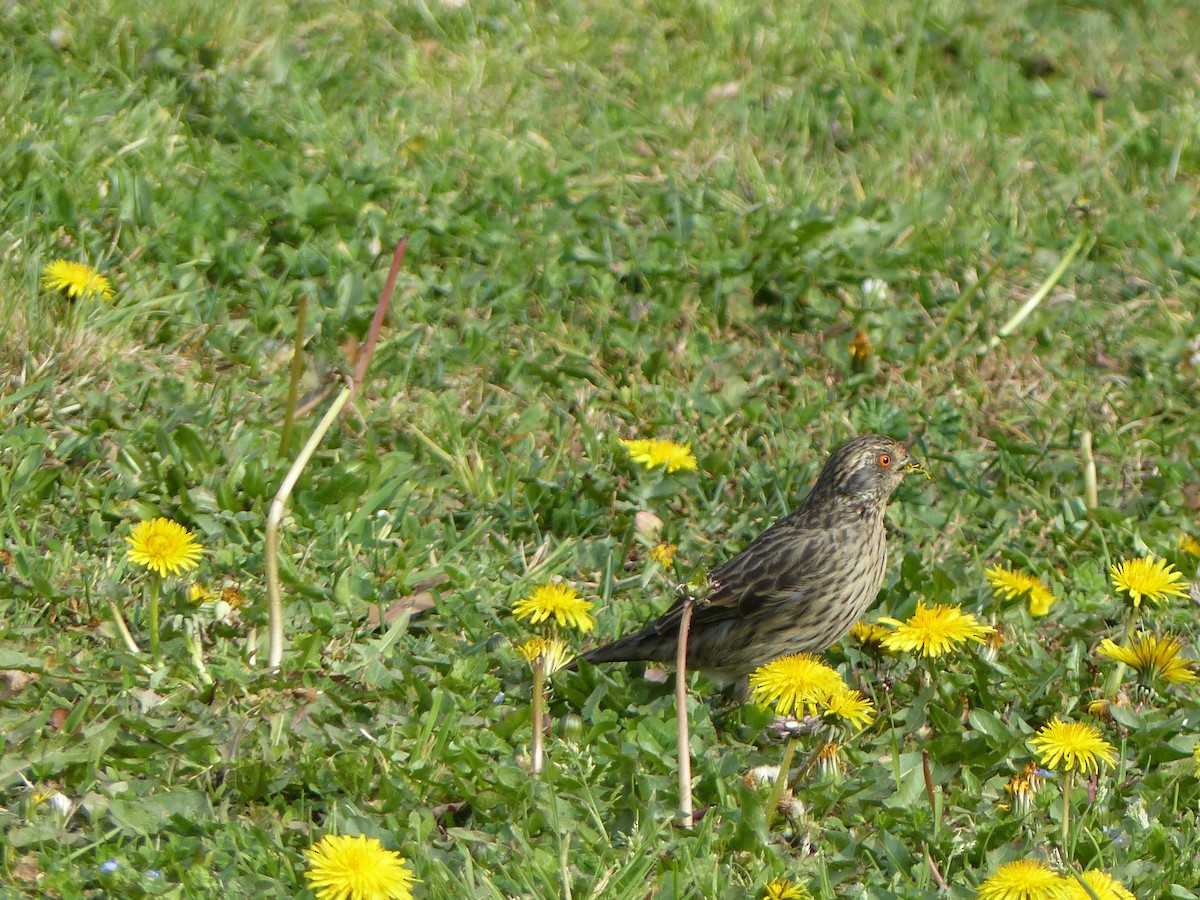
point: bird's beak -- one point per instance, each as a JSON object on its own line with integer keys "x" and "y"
{"x": 912, "y": 467}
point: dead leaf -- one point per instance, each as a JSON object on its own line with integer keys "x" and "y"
{"x": 647, "y": 523}
{"x": 415, "y": 603}
{"x": 26, "y": 869}
{"x": 445, "y": 809}
{"x": 147, "y": 699}
{"x": 656, "y": 675}
{"x": 302, "y": 711}
{"x": 726, "y": 91}
{"x": 15, "y": 681}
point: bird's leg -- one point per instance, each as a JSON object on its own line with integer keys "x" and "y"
{"x": 681, "y": 717}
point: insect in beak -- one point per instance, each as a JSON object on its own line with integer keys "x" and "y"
{"x": 912, "y": 467}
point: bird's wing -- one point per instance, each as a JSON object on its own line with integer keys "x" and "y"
{"x": 779, "y": 564}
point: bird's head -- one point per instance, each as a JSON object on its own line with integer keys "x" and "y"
{"x": 865, "y": 471}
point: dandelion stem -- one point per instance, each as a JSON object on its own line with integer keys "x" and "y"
{"x": 192, "y": 638}
{"x": 538, "y": 754}
{"x": 153, "y": 592}
{"x": 1113, "y": 685}
{"x": 681, "y": 716}
{"x": 935, "y": 808}
{"x": 1091, "y": 497}
{"x": 1068, "y": 781}
{"x": 810, "y": 760}
{"x": 275, "y": 517}
{"x": 781, "y": 780}
{"x": 123, "y": 627}
{"x": 279, "y": 503}
{"x": 964, "y": 299}
{"x": 1040, "y": 294}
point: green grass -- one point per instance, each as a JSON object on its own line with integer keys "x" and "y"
{"x": 625, "y": 220}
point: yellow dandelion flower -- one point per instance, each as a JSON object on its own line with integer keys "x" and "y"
{"x": 934, "y": 630}
{"x": 1072, "y": 745}
{"x": 1101, "y": 708}
{"x": 1152, "y": 657}
{"x": 781, "y": 889}
{"x": 1041, "y": 598}
{"x": 75, "y": 280}
{"x": 1022, "y": 791}
{"x": 1010, "y": 584}
{"x": 829, "y": 760}
{"x": 637, "y": 448}
{"x": 851, "y": 706}
{"x": 1023, "y": 786}
{"x": 664, "y": 554}
{"x": 992, "y": 644}
{"x": 163, "y": 546}
{"x": 233, "y": 597}
{"x": 553, "y": 653}
{"x": 1149, "y": 578}
{"x": 200, "y": 593}
{"x": 868, "y": 633}
{"x": 557, "y": 600}
{"x": 655, "y": 453}
{"x": 1023, "y": 879}
{"x": 798, "y": 683}
{"x": 860, "y": 348}
{"x": 1102, "y": 885}
{"x": 759, "y": 776}
{"x": 1034, "y": 774}
{"x": 357, "y": 868}
{"x": 1189, "y": 544}
{"x": 38, "y": 797}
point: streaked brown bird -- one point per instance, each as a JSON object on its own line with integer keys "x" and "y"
{"x": 798, "y": 586}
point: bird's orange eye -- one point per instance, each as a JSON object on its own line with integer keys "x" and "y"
{"x": 885, "y": 460}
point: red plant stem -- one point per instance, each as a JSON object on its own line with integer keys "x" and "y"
{"x": 385, "y": 300}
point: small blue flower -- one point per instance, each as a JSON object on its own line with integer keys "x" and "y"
{"x": 109, "y": 866}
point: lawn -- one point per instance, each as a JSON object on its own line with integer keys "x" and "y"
{"x": 755, "y": 229}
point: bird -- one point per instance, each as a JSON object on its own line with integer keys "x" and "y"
{"x": 797, "y": 587}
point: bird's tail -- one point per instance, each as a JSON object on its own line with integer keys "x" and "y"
{"x": 647, "y": 645}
